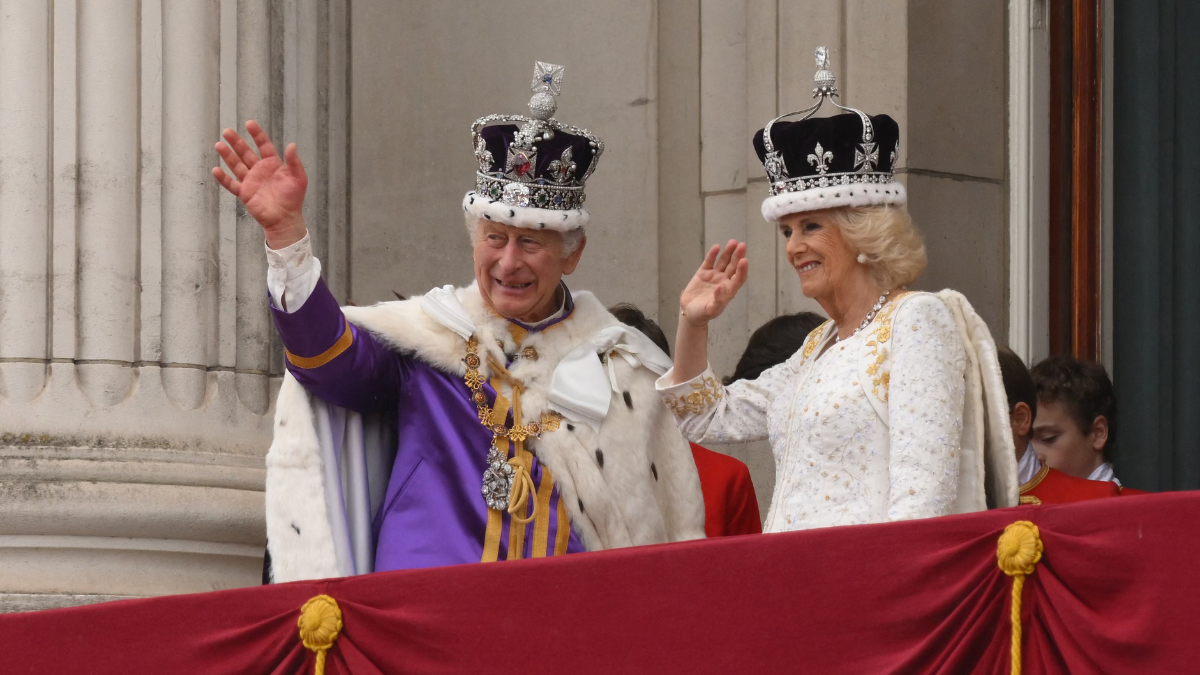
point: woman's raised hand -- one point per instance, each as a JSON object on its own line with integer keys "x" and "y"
{"x": 272, "y": 191}
{"x": 714, "y": 284}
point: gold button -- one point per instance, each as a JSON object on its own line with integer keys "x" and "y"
{"x": 530, "y": 353}
{"x": 818, "y": 379}
{"x": 817, "y": 414}
{"x": 912, "y": 491}
{"x": 826, "y": 497}
{"x": 835, "y": 405}
{"x": 854, "y": 383}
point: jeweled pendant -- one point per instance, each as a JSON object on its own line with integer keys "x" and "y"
{"x": 497, "y": 481}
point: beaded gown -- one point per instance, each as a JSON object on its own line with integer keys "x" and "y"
{"x": 865, "y": 430}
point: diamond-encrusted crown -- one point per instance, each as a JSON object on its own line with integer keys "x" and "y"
{"x": 827, "y": 162}
{"x": 535, "y": 161}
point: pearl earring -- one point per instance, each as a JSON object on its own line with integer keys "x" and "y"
{"x": 862, "y": 258}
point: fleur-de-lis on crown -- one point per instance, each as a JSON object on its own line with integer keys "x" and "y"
{"x": 895, "y": 153}
{"x": 562, "y": 170}
{"x": 820, "y": 158}
{"x": 483, "y": 156}
{"x": 866, "y": 156}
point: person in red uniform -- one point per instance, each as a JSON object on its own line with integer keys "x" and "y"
{"x": 730, "y": 505}
{"x": 1040, "y": 484}
{"x": 1076, "y": 430}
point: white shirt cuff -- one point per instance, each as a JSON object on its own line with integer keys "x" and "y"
{"x": 292, "y": 274}
{"x": 664, "y": 384}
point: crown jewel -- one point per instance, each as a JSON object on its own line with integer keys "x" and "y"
{"x": 866, "y": 154}
{"x": 843, "y": 160}
{"x": 541, "y": 157}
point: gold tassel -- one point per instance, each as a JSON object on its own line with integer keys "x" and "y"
{"x": 1018, "y": 553}
{"x": 320, "y": 624}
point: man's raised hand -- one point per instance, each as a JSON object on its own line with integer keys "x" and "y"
{"x": 272, "y": 190}
{"x": 715, "y": 283}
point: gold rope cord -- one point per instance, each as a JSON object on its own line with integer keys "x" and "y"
{"x": 1018, "y": 553}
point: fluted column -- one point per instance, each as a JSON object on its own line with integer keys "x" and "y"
{"x": 136, "y": 368}
{"x": 191, "y": 53}
{"x": 24, "y": 197}
{"x": 108, "y": 198}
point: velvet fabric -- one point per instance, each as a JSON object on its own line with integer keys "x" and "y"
{"x": 840, "y": 135}
{"x": 499, "y": 136}
{"x": 1113, "y": 593}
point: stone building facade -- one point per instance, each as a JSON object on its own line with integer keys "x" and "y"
{"x": 137, "y": 360}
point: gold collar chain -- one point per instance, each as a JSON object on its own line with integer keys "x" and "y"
{"x": 504, "y": 474}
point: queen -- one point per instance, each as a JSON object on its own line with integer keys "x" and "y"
{"x": 893, "y": 409}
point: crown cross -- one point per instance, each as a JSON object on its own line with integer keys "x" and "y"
{"x": 866, "y": 156}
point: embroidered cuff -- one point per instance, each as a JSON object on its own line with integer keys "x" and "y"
{"x": 292, "y": 273}
{"x": 696, "y": 396}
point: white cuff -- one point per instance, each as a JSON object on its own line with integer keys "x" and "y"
{"x": 292, "y": 274}
{"x": 693, "y": 397}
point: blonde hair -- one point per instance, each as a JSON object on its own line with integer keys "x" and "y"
{"x": 886, "y": 236}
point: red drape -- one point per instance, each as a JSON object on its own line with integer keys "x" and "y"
{"x": 1116, "y": 592}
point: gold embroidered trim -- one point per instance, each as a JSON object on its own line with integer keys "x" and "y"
{"x": 1029, "y": 499}
{"x": 707, "y": 392}
{"x": 876, "y": 340}
{"x": 309, "y": 362}
{"x": 1033, "y": 482}
{"x": 814, "y": 337}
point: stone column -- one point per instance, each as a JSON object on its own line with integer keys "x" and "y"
{"x": 136, "y": 370}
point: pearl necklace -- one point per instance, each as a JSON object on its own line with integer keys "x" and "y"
{"x": 870, "y": 315}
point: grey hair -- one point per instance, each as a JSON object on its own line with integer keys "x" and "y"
{"x": 571, "y": 239}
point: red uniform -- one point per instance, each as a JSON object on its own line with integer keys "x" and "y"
{"x": 730, "y": 505}
{"x": 1051, "y": 486}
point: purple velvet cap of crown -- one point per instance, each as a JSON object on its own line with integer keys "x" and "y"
{"x": 498, "y": 138}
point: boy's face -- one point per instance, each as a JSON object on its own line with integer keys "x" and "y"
{"x": 1060, "y": 442}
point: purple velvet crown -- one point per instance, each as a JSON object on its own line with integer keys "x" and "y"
{"x": 532, "y": 169}
{"x": 564, "y": 160}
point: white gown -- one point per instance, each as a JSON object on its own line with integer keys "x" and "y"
{"x": 866, "y": 430}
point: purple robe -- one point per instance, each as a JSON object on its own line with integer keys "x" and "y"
{"x": 433, "y": 513}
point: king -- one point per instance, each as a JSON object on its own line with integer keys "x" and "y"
{"x": 508, "y": 419}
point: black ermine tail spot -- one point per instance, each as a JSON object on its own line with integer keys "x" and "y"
{"x": 654, "y": 470}
{"x": 600, "y": 457}
{"x": 628, "y": 399}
